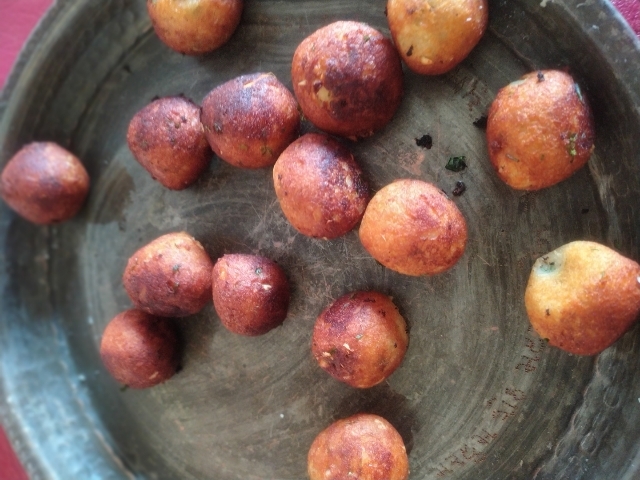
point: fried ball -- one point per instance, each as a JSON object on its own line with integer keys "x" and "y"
{"x": 196, "y": 26}
{"x": 363, "y": 446}
{"x": 140, "y": 350}
{"x": 167, "y": 139}
{"x": 169, "y": 277}
{"x": 250, "y": 293}
{"x": 583, "y": 297}
{"x": 320, "y": 187}
{"x": 44, "y": 183}
{"x": 539, "y": 130}
{"x": 410, "y": 226}
{"x": 360, "y": 339}
{"x": 250, "y": 120}
{"x": 347, "y": 78}
{"x": 433, "y": 36}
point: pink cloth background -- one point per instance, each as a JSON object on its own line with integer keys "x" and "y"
{"x": 17, "y": 19}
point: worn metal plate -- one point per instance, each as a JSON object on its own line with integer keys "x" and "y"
{"x": 478, "y": 395}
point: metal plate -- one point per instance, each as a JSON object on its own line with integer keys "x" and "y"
{"x": 478, "y": 395}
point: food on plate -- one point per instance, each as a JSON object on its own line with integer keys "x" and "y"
{"x": 360, "y": 339}
{"x": 320, "y": 187}
{"x": 412, "y": 227}
{"x": 196, "y": 26}
{"x": 347, "y": 77}
{"x": 170, "y": 276}
{"x": 167, "y": 139}
{"x": 44, "y": 183}
{"x": 433, "y": 36}
{"x": 140, "y": 350}
{"x": 250, "y": 293}
{"x": 539, "y": 130}
{"x": 583, "y": 296}
{"x": 250, "y": 120}
{"x": 363, "y": 446}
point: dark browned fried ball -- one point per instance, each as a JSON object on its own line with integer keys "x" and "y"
{"x": 140, "y": 350}
{"x": 347, "y": 77}
{"x": 194, "y": 26}
{"x": 44, "y": 183}
{"x": 166, "y": 137}
{"x": 360, "y": 339}
{"x": 410, "y": 226}
{"x": 320, "y": 187}
{"x": 539, "y": 130}
{"x": 250, "y": 120}
{"x": 433, "y": 36}
{"x": 170, "y": 276}
{"x": 250, "y": 293}
{"x": 363, "y": 447}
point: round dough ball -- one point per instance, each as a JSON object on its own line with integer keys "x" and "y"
{"x": 360, "y": 339}
{"x": 363, "y": 446}
{"x": 170, "y": 276}
{"x": 347, "y": 78}
{"x": 583, "y": 297}
{"x": 140, "y": 350}
{"x": 195, "y": 26}
{"x": 410, "y": 226}
{"x": 320, "y": 187}
{"x": 250, "y": 120}
{"x": 44, "y": 183}
{"x": 167, "y": 139}
{"x": 250, "y": 293}
{"x": 539, "y": 130}
{"x": 433, "y": 36}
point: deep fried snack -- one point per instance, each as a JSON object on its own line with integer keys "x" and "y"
{"x": 320, "y": 187}
{"x": 44, "y": 183}
{"x": 347, "y": 78}
{"x": 140, "y": 350}
{"x": 250, "y": 120}
{"x": 360, "y": 339}
{"x": 539, "y": 130}
{"x": 410, "y": 226}
{"x": 250, "y": 293}
{"x": 170, "y": 276}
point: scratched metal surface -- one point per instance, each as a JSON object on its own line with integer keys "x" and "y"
{"x": 478, "y": 395}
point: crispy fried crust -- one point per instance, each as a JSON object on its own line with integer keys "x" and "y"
{"x": 410, "y": 226}
{"x": 360, "y": 339}
{"x": 170, "y": 276}
{"x": 250, "y": 120}
{"x": 583, "y": 296}
{"x": 140, "y": 350}
{"x": 250, "y": 293}
{"x": 363, "y": 446}
{"x": 347, "y": 78}
{"x": 320, "y": 187}
{"x": 539, "y": 130}
{"x": 44, "y": 183}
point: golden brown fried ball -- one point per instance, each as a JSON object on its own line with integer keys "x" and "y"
{"x": 250, "y": 293}
{"x": 347, "y": 78}
{"x": 583, "y": 297}
{"x": 170, "y": 276}
{"x": 250, "y": 120}
{"x": 433, "y": 36}
{"x": 44, "y": 183}
{"x": 410, "y": 226}
{"x": 194, "y": 26}
{"x": 320, "y": 187}
{"x": 167, "y": 139}
{"x": 539, "y": 130}
{"x": 363, "y": 446}
{"x": 140, "y": 350}
{"x": 360, "y": 339}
